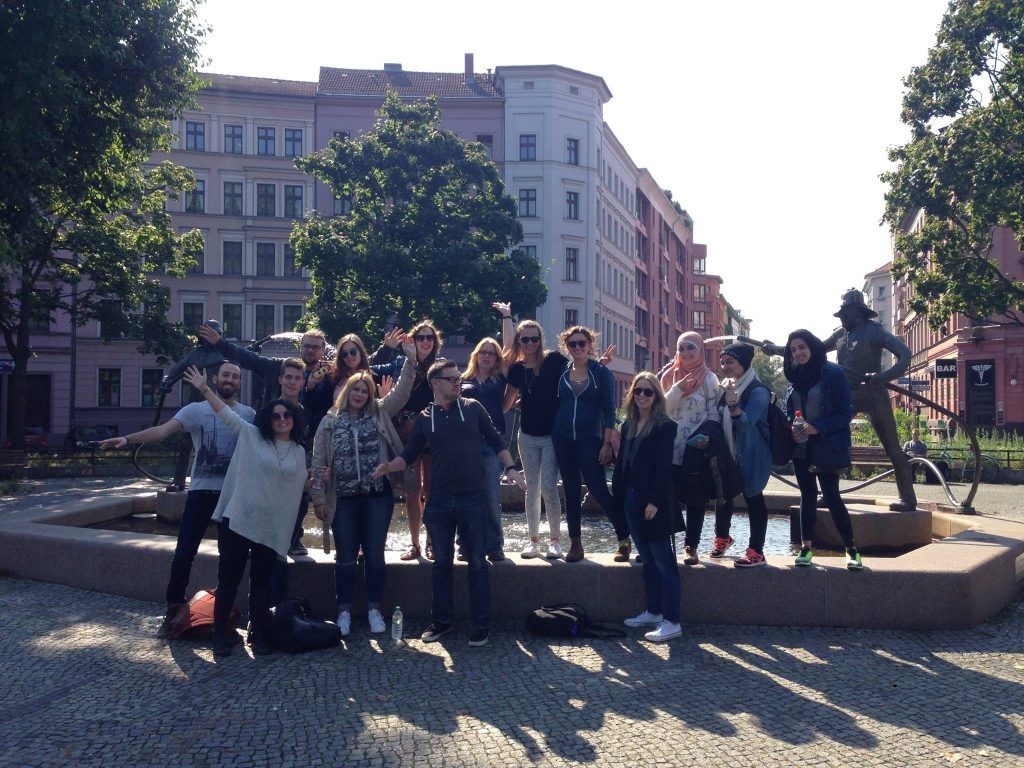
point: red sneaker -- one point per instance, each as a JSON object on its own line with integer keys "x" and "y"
{"x": 750, "y": 558}
{"x": 721, "y": 545}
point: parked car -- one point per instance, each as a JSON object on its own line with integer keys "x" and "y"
{"x": 35, "y": 439}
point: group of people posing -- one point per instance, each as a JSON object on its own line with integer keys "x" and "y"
{"x": 350, "y": 434}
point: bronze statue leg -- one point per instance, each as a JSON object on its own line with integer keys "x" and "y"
{"x": 875, "y": 405}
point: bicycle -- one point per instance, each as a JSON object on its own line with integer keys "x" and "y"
{"x": 989, "y": 469}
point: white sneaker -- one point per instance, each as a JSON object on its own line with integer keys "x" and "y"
{"x": 530, "y": 550}
{"x": 644, "y": 619}
{"x": 554, "y": 550}
{"x": 345, "y": 623}
{"x": 667, "y": 630}
{"x": 377, "y": 624}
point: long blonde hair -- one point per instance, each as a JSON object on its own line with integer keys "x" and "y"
{"x": 515, "y": 354}
{"x": 341, "y": 402}
{"x": 658, "y": 412}
{"x": 499, "y": 361}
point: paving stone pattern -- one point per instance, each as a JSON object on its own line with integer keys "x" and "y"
{"x": 85, "y": 683}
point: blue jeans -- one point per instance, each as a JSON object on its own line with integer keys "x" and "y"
{"x": 199, "y": 506}
{"x": 577, "y": 464}
{"x": 661, "y": 573}
{"x": 494, "y": 537}
{"x": 467, "y": 513}
{"x": 361, "y": 521}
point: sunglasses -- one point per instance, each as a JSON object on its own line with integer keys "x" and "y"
{"x": 688, "y": 346}
{"x": 449, "y": 379}
{"x": 349, "y": 353}
{"x": 578, "y": 344}
{"x": 424, "y": 337}
{"x": 488, "y": 352}
{"x": 281, "y": 416}
{"x": 645, "y": 391}
{"x": 529, "y": 339}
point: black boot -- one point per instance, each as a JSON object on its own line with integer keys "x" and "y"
{"x": 259, "y": 639}
{"x": 173, "y": 609}
{"x": 223, "y": 641}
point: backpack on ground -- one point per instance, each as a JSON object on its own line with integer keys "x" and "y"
{"x": 779, "y": 440}
{"x": 568, "y": 620}
{"x": 294, "y": 630}
{"x": 195, "y": 619}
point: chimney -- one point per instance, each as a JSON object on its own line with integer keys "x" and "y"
{"x": 470, "y": 77}
{"x": 389, "y": 67}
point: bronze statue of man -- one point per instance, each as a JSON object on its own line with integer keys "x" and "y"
{"x": 859, "y": 344}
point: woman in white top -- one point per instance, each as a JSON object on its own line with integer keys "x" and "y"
{"x": 256, "y": 510}
{"x": 691, "y": 399}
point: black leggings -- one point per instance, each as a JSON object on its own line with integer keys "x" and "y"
{"x": 234, "y": 550}
{"x": 829, "y": 482}
{"x": 757, "y": 513}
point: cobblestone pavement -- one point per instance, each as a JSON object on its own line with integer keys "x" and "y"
{"x": 85, "y": 683}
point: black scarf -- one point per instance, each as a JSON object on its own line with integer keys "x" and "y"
{"x": 805, "y": 376}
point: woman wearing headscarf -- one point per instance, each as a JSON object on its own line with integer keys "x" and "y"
{"x": 691, "y": 399}
{"x": 744, "y": 409}
{"x": 642, "y": 493}
{"x": 819, "y": 390}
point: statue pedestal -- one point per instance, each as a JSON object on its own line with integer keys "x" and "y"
{"x": 170, "y": 505}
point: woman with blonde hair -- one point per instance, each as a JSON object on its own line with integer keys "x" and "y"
{"x": 353, "y": 439}
{"x": 426, "y": 346}
{"x": 484, "y": 381}
{"x": 642, "y": 493}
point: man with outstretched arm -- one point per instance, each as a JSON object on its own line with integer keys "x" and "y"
{"x": 454, "y": 429}
{"x": 213, "y": 444}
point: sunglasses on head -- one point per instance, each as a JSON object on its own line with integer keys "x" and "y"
{"x": 577, "y": 343}
{"x": 424, "y": 337}
{"x": 688, "y": 345}
{"x": 645, "y": 391}
{"x": 281, "y": 416}
{"x": 529, "y": 339}
{"x": 349, "y": 352}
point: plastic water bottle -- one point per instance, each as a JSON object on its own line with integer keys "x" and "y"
{"x": 396, "y": 624}
{"x": 798, "y": 427}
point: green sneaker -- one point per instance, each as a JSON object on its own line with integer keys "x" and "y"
{"x": 853, "y": 562}
{"x": 805, "y": 557}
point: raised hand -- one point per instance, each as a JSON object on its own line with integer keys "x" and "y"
{"x": 385, "y": 386}
{"x": 195, "y": 377}
{"x": 207, "y": 334}
{"x": 393, "y": 337}
{"x": 608, "y": 356}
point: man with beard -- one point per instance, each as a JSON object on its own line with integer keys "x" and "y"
{"x": 213, "y": 444}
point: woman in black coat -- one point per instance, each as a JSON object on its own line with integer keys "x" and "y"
{"x": 642, "y": 491}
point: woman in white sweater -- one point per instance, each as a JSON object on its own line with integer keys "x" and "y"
{"x": 256, "y": 510}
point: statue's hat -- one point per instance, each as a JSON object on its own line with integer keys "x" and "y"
{"x": 854, "y": 298}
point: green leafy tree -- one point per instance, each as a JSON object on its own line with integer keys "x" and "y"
{"x": 88, "y": 92}
{"x": 964, "y": 164}
{"x": 425, "y": 230}
{"x": 769, "y": 371}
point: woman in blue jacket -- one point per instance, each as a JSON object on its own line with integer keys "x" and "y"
{"x": 819, "y": 389}
{"x": 582, "y": 436}
{"x": 642, "y": 493}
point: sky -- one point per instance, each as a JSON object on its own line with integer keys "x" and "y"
{"x": 769, "y": 122}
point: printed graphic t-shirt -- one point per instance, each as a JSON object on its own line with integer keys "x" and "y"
{"x": 212, "y": 442}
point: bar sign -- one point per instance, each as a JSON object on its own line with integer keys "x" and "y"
{"x": 945, "y": 369}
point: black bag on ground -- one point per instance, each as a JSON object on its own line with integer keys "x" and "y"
{"x": 568, "y": 620}
{"x": 293, "y": 630}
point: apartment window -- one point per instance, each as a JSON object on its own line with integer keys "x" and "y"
{"x": 108, "y": 393}
{"x": 266, "y": 260}
{"x": 265, "y": 141}
{"x": 293, "y": 201}
{"x": 266, "y": 200}
{"x": 574, "y": 90}
{"x": 195, "y": 199}
{"x": 231, "y": 320}
{"x": 527, "y": 146}
{"x": 264, "y": 320}
{"x": 529, "y": 250}
{"x": 528, "y": 85}
{"x": 199, "y": 266}
{"x": 572, "y": 151}
{"x": 572, "y": 317}
{"x": 231, "y": 254}
{"x": 195, "y": 136}
{"x": 232, "y": 198}
{"x": 700, "y": 291}
{"x": 291, "y": 269}
{"x": 487, "y": 140}
{"x": 39, "y": 321}
{"x": 700, "y": 319}
{"x": 233, "y": 144}
{"x": 572, "y": 205}
{"x": 151, "y": 378}
{"x": 527, "y": 202}
{"x": 290, "y": 316}
{"x": 698, "y": 265}
{"x": 192, "y": 315}
{"x": 572, "y": 261}
{"x": 342, "y": 206}
{"x": 292, "y": 142}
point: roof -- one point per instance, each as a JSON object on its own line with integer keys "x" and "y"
{"x": 413, "y": 85}
{"x": 267, "y": 85}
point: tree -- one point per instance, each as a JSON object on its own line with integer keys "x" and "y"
{"x": 88, "y": 92}
{"x": 425, "y": 230}
{"x": 769, "y": 370}
{"x": 964, "y": 164}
